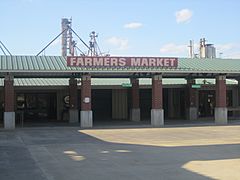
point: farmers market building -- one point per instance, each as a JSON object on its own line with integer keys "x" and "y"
{"x": 91, "y": 90}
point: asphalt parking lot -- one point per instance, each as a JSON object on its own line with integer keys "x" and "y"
{"x": 70, "y": 153}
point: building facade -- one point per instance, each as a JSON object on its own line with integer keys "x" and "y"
{"x": 53, "y": 89}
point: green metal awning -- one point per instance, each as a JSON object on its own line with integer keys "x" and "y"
{"x": 56, "y": 66}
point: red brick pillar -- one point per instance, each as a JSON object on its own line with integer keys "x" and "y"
{"x": 157, "y": 92}
{"x": 157, "y": 116}
{"x": 221, "y": 106}
{"x": 135, "y": 109}
{"x": 238, "y": 92}
{"x": 73, "y": 101}
{"x": 86, "y": 112}
{"x": 9, "y": 99}
{"x": 191, "y": 100}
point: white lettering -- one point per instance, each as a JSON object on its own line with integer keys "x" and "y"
{"x": 122, "y": 62}
{"x": 166, "y": 63}
{"x": 144, "y": 62}
{"x": 152, "y": 62}
{"x": 106, "y": 61}
{"x": 114, "y": 61}
{"x": 88, "y": 62}
{"x": 97, "y": 61}
{"x": 135, "y": 62}
{"x": 72, "y": 61}
{"x": 80, "y": 62}
{"x": 159, "y": 62}
{"x": 172, "y": 60}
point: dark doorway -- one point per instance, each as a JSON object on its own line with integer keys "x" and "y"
{"x": 165, "y": 103}
{"x": 206, "y": 103}
{"x": 182, "y": 104}
{"x": 145, "y": 103}
{"x": 174, "y": 103}
{"x": 37, "y": 107}
{"x": 229, "y": 102}
{"x": 102, "y": 104}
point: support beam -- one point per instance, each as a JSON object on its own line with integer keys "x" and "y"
{"x": 73, "y": 101}
{"x": 191, "y": 100}
{"x": 221, "y": 106}
{"x": 9, "y": 113}
{"x": 157, "y": 112}
{"x": 86, "y": 100}
{"x": 135, "y": 109}
{"x": 235, "y": 101}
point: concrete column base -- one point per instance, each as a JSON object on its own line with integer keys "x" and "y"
{"x": 221, "y": 115}
{"x": 73, "y": 116}
{"x": 157, "y": 117}
{"x": 135, "y": 115}
{"x": 192, "y": 113}
{"x": 86, "y": 119}
{"x": 9, "y": 120}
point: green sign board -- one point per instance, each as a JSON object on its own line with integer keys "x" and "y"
{"x": 196, "y": 86}
{"x": 126, "y": 85}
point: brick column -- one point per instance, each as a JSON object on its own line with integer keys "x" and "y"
{"x": 221, "y": 92}
{"x": 192, "y": 111}
{"x": 9, "y": 113}
{"x": 135, "y": 109}
{"x": 157, "y": 114}
{"x": 238, "y": 92}
{"x": 86, "y": 112}
{"x": 73, "y": 101}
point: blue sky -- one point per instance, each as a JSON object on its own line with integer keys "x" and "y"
{"x": 126, "y": 27}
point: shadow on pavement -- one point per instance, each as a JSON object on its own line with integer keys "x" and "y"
{"x": 66, "y": 153}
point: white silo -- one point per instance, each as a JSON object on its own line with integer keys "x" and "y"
{"x": 207, "y": 50}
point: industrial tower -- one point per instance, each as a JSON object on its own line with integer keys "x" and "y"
{"x": 68, "y": 45}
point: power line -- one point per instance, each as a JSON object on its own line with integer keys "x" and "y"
{"x": 51, "y": 42}
{"x": 5, "y": 49}
{"x": 80, "y": 39}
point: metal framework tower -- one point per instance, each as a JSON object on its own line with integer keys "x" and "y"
{"x": 65, "y": 24}
{"x": 68, "y": 45}
{"x": 94, "y": 48}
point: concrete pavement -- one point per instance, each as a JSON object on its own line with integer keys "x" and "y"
{"x": 70, "y": 153}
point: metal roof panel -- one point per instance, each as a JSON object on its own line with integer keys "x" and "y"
{"x": 58, "y": 63}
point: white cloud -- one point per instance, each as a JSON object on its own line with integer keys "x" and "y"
{"x": 234, "y": 55}
{"x": 184, "y": 15}
{"x": 174, "y": 49}
{"x": 133, "y": 25}
{"x": 228, "y": 50}
{"x": 120, "y": 43}
{"x": 225, "y": 47}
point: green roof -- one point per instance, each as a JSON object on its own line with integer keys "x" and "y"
{"x": 28, "y": 71}
{"x": 56, "y": 66}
